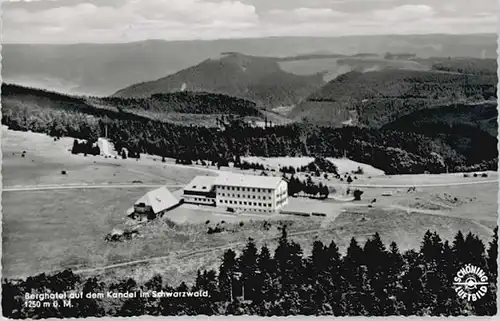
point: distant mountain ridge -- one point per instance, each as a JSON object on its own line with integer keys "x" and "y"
{"x": 102, "y": 69}
{"x": 376, "y": 98}
{"x": 259, "y": 79}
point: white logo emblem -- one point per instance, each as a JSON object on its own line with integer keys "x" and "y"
{"x": 470, "y": 283}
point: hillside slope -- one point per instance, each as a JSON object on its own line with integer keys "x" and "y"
{"x": 376, "y": 98}
{"x": 482, "y": 116}
{"x": 470, "y": 129}
{"x": 393, "y": 151}
{"x": 183, "y": 108}
{"x": 259, "y": 79}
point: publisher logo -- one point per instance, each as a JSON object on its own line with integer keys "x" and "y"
{"x": 471, "y": 283}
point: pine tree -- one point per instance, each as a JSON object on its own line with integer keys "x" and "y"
{"x": 76, "y": 147}
{"x": 337, "y": 285}
{"x": 152, "y": 305}
{"x": 226, "y": 275}
{"x": 266, "y": 277}
{"x": 448, "y": 303}
{"x": 413, "y": 288}
{"x": 352, "y": 265}
{"x": 459, "y": 249}
{"x": 248, "y": 267}
{"x": 493, "y": 255}
{"x": 475, "y": 250}
{"x": 376, "y": 258}
{"x": 394, "y": 276}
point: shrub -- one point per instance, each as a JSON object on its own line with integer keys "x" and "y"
{"x": 484, "y": 175}
{"x": 357, "y": 194}
{"x": 475, "y": 174}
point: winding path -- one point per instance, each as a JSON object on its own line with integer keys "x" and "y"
{"x": 425, "y": 185}
{"x": 187, "y": 254}
{"x": 85, "y": 186}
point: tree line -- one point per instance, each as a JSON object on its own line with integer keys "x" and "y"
{"x": 308, "y": 187}
{"x": 394, "y": 151}
{"x": 86, "y": 148}
{"x": 370, "y": 279}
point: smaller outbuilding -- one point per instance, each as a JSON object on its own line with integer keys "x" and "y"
{"x": 154, "y": 204}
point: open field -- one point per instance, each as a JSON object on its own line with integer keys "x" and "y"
{"x": 45, "y": 159}
{"x": 49, "y": 230}
{"x": 46, "y": 231}
{"x": 405, "y": 229}
{"x": 81, "y": 219}
{"x": 328, "y": 66}
{"x": 344, "y": 165}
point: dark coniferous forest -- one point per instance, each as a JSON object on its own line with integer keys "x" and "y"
{"x": 394, "y": 150}
{"x": 371, "y": 279}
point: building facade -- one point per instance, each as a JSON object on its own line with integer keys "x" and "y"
{"x": 249, "y": 193}
{"x": 200, "y": 191}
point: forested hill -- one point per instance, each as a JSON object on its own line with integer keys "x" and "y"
{"x": 259, "y": 79}
{"x": 185, "y": 102}
{"x": 393, "y": 151}
{"x": 155, "y": 107}
{"x": 462, "y": 118}
{"x": 376, "y": 98}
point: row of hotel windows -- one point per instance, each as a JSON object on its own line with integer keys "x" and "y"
{"x": 245, "y": 203}
{"x": 254, "y": 209}
{"x": 243, "y": 196}
{"x": 196, "y": 199}
{"x": 245, "y": 189}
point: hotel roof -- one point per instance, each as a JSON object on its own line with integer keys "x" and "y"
{"x": 240, "y": 180}
{"x": 201, "y": 184}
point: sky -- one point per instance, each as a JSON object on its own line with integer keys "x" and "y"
{"x": 105, "y": 21}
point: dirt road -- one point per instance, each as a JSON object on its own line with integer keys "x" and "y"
{"x": 62, "y": 187}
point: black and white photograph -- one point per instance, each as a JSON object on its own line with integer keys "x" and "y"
{"x": 249, "y": 158}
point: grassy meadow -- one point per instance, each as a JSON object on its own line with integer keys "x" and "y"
{"x": 46, "y": 231}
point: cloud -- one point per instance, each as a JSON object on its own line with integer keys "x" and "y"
{"x": 300, "y": 15}
{"x": 144, "y": 18}
{"x": 62, "y": 21}
{"x": 405, "y": 13}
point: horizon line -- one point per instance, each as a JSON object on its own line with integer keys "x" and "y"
{"x": 252, "y": 38}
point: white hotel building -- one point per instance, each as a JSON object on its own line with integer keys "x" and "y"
{"x": 251, "y": 193}
{"x": 242, "y": 193}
